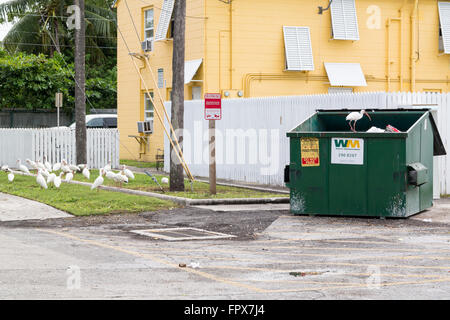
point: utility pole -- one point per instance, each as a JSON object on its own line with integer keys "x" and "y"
{"x": 177, "y": 116}
{"x": 80, "y": 93}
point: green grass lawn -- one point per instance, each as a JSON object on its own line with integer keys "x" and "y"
{"x": 201, "y": 190}
{"x": 80, "y": 200}
{"x": 138, "y": 164}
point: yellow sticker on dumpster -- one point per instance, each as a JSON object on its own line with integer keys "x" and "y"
{"x": 310, "y": 152}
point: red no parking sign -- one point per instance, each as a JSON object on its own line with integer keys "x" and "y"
{"x": 213, "y": 106}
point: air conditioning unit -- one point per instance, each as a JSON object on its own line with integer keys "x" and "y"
{"x": 145, "y": 126}
{"x": 147, "y": 45}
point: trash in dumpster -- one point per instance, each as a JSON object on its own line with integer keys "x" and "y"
{"x": 375, "y": 129}
{"x": 390, "y": 128}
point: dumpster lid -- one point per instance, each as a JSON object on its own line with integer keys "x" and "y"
{"x": 438, "y": 145}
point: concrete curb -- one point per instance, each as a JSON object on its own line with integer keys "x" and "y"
{"x": 179, "y": 200}
{"x": 227, "y": 184}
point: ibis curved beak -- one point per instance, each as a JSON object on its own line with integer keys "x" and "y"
{"x": 368, "y": 116}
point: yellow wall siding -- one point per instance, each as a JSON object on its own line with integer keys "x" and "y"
{"x": 131, "y": 88}
{"x": 258, "y": 47}
{"x": 243, "y": 50}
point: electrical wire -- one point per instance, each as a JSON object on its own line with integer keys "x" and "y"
{"x": 51, "y": 45}
{"x": 191, "y": 17}
{"x": 61, "y": 35}
{"x": 177, "y": 149}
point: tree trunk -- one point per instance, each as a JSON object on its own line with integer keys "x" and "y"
{"x": 80, "y": 94}
{"x": 176, "y": 169}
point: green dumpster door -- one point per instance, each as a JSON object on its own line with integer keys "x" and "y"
{"x": 308, "y": 176}
{"x": 386, "y": 173}
{"x": 347, "y": 177}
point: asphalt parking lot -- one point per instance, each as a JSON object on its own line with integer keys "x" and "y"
{"x": 273, "y": 255}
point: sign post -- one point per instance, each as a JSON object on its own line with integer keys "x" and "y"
{"x": 58, "y": 104}
{"x": 213, "y": 112}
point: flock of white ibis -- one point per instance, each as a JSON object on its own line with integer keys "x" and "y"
{"x": 46, "y": 172}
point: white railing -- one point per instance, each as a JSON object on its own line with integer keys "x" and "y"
{"x": 277, "y": 115}
{"x": 55, "y": 145}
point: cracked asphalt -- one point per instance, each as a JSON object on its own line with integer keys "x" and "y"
{"x": 274, "y": 255}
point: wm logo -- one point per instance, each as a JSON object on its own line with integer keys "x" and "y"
{"x": 341, "y": 143}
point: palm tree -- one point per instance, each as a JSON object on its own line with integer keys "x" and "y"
{"x": 40, "y": 27}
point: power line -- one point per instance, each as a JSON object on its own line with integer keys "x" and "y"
{"x": 33, "y": 14}
{"x": 192, "y": 17}
{"x": 61, "y": 35}
{"x": 52, "y": 45}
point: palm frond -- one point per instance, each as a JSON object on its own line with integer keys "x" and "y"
{"x": 24, "y": 35}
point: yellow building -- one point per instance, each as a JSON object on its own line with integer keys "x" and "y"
{"x": 254, "y": 48}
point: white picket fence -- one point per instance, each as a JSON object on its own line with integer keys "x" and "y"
{"x": 277, "y": 115}
{"x": 55, "y": 145}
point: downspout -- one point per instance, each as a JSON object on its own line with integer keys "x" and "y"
{"x": 389, "y": 62}
{"x": 205, "y": 82}
{"x": 413, "y": 45}
{"x": 231, "y": 44}
{"x": 388, "y": 56}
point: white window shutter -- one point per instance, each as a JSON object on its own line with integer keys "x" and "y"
{"x": 444, "y": 16}
{"x": 164, "y": 20}
{"x": 344, "y": 20}
{"x": 297, "y": 43}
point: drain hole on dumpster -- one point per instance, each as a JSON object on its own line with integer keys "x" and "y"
{"x": 180, "y": 234}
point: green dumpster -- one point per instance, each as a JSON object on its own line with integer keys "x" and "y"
{"x": 334, "y": 171}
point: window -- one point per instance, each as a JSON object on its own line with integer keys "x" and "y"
{"x": 164, "y": 20}
{"x": 171, "y": 28}
{"x": 110, "y": 122}
{"x": 149, "y": 107}
{"x": 297, "y": 42}
{"x": 344, "y": 20}
{"x": 95, "y": 123}
{"x": 148, "y": 25}
{"x": 196, "y": 93}
{"x": 160, "y": 78}
{"x": 444, "y": 17}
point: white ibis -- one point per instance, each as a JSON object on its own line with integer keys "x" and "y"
{"x": 32, "y": 164}
{"x": 127, "y": 172}
{"x": 5, "y": 167}
{"x": 51, "y": 178}
{"x": 22, "y": 167}
{"x": 165, "y": 180}
{"x": 41, "y": 181}
{"x": 109, "y": 174}
{"x": 107, "y": 167}
{"x": 120, "y": 178}
{"x": 81, "y": 166}
{"x": 64, "y": 167}
{"x": 123, "y": 177}
{"x": 355, "y": 116}
{"x": 74, "y": 168}
{"x": 10, "y": 175}
{"x": 40, "y": 165}
{"x": 69, "y": 176}
{"x": 57, "y": 166}
{"x": 57, "y": 180}
{"x": 98, "y": 181}
{"x": 86, "y": 172}
{"x": 47, "y": 165}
